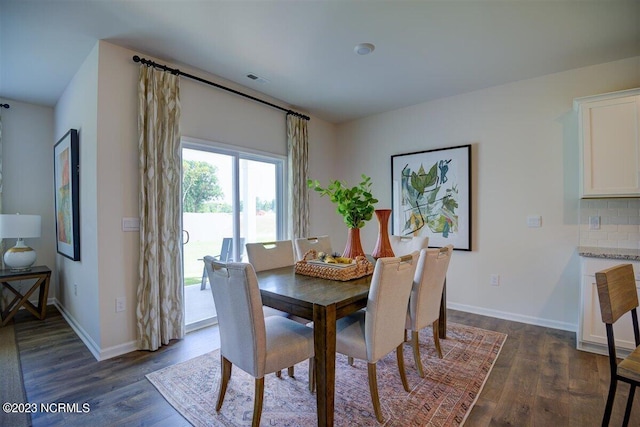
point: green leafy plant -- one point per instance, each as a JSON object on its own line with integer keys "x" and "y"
{"x": 354, "y": 204}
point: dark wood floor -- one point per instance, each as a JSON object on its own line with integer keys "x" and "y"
{"x": 540, "y": 379}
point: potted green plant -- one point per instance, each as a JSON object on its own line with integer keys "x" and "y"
{"x": 354, "y": 204}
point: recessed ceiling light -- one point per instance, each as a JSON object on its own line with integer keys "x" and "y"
{"x": 364, "y": 48}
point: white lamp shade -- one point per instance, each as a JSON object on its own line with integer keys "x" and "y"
{"x": 19, "y": 226}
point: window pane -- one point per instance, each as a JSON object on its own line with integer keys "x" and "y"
{"x": 207, "y": 217}
{"x": 258, "y": 216}
{"x": 229, "y": 198}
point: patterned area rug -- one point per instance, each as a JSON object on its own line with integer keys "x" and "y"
{"x": 443, "y": 398}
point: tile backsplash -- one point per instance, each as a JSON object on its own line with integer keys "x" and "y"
{"x": 619, "y": 223}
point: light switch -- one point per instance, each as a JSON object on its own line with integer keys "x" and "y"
{"x": 534, "y": 221}
{"x": 130, "y": 224}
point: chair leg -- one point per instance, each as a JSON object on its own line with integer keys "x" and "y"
{"x": 416, "y": 352}
{"x": 403, "y": 374}
{"x": 627, "y": 411}
{"x": 203, "y": 283}
{"x": 224, "y": 380}
{"x": 609, "y": 406}
{"x": 350, "y": 360}
{"x": 373, "y": 389}
{"x": 312, "y": 374}
{"x": 279, "y": 374}
{"x": 257, "y": 404}
{"x": 290, "y": 371}
{"x": 436, "y": 338}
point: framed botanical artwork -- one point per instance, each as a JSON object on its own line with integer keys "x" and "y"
{"x": 431, "y": 196}
{"x": 66, "y": 180}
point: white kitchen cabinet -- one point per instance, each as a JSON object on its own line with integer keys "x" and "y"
{"x": 609, "y": 132}
{"x": 592, "y": 335}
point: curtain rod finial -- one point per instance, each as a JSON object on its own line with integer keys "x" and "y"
{"x": 4, "y": 106}
{"x": 136, "y": 58}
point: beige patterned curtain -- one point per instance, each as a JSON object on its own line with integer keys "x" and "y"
{"x": 298, "y": 159}
{"x": 160, "y": 307}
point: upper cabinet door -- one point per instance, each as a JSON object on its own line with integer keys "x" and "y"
{"x": 610, "y": 145}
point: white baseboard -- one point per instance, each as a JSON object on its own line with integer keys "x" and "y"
{"x": 514, "y": 317}
{"x": 96, "y": 351}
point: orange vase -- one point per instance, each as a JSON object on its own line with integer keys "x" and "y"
{"x": 383, "y": 245}
{"x": 354, "y": 246}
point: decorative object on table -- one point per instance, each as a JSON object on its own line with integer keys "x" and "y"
{"x": 431, "y": 195}
{"x": 20, "y": 257}
{"x": 383, "y": 245}
{"x": 312, "y": 264}
{"x": 354, "y": 204}
{"x": 67, "y": 177}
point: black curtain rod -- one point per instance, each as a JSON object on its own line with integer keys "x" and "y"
{"x": 4, "y": 106}
{"x": 176, "y": 71}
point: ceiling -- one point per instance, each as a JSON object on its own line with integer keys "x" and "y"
{"x": 305, "y": 49}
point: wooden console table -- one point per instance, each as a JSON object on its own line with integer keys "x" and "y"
{"x": 42, "y": 274}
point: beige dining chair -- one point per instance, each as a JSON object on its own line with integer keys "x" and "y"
{"x": 305, "y": 244}
{"x": 426, "y": 296}
{"x": 248, "y": 340}
{"x": 374, "y": 332}
{"x": 403, "y": 245}
{"x": 618, "y": 295}
{"x": 268, "y": 255}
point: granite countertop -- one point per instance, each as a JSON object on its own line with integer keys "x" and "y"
{"x": 610, "y": 253}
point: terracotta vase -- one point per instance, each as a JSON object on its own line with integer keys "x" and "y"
{"x": 383, "y": 245}
{"x": 354, "y": 246}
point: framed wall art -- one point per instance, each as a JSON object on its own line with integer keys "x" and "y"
{"x": 66, "y": 179}
{"x": 431, "y": 196}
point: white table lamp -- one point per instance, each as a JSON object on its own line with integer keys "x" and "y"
{"x": 20, "y": 257}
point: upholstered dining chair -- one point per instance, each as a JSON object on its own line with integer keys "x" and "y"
{"x": 403, "y": 245}
{"x": 372, "y": 333}
{"x": 305, "y": 244}
{"x": 426, "y": 296}
{"x": 248, "y": 340}
{"x": 269, "y": 255}
{"x": 618, "y": 296}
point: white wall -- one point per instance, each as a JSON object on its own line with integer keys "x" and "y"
{"x": 525, "y": 154}
{"x": 77, "y": 109}
{"x": 27, "y": 173}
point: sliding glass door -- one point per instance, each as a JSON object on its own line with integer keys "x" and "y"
{"x": 230, "y": 197}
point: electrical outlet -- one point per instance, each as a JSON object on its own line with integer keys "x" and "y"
{"x": 494, "y": 279}
{"x": 120, "y": 304}
{"x": 75, "y": 289}
{"x": 534, "y": 221}
{"x": 594, "y": 223}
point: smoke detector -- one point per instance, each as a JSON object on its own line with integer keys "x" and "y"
{"x": 364, "y": 48}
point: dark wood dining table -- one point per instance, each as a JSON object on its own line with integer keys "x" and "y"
{"x": 322, "y": 301}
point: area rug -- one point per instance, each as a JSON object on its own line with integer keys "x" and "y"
{"x": 11, "y": 384}
{"x": 443, "y": 398}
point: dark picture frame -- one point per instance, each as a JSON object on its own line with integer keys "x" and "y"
{"x": 66, "y": 181}
{"x": 431, "y": 195}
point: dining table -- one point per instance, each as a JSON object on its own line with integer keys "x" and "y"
{"x": 322, "y": 301}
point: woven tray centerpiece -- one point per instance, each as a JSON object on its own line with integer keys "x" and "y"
{"x": 312, "y": 265}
